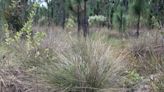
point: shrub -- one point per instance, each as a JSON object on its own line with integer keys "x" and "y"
{"x": 132, "y": 78}
{"x": 97, "y": 20}
{"x": 70, "y": 23}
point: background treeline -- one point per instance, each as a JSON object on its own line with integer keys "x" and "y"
{"x": 120, "y": 14}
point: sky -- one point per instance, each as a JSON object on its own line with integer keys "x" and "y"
{"x": 42, "y": 3}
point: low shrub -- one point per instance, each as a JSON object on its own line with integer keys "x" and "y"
{"x": 97, "y": 20}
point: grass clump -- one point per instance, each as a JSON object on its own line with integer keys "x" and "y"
{"x": 147, "y": 59}
{"x": 84, "y": 66}
{"x": 148, "y": 52}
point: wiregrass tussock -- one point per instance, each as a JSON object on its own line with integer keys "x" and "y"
{"x": 147, "y": 56}
{"x": 148, "y": 52}
{"x": 78, "y": 65}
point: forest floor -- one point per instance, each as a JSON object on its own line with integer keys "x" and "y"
{"x": 106, "y": 61}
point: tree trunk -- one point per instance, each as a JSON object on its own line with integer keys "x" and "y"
{"x": 121, "y": 21}
{"x": 108, "y": 23}
{"x": 52, "y": 14}
{"x": 97, "y": 10}
{"x": 111, "y": 17}
{"x": 150, "y": 22}
{"x": 78, "y": 19}
{"x": 64, "y": 14}
{"x": 125, "y": 3}
{"x": 48, "y": 14}
{"x": 138, "y": 26}
{"x": 85, "y": 27}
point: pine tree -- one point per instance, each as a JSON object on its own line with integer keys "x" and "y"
{"x": 137, "y": 9}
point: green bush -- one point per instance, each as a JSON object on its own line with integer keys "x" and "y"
{"x": 97, "y": 20}
{"x": 70, "y": 23}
